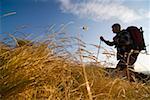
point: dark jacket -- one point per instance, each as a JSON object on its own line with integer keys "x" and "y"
{"x": 122, "y": 41}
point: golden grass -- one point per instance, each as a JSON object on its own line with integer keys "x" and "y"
{"x": 37, "y": 72}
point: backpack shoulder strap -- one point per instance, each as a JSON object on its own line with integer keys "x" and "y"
{"x": 124, "y": 32}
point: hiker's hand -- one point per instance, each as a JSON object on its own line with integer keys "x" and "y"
{"x": 102, "y": 39}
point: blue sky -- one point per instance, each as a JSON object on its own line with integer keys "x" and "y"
{"x": 97, "y": 15}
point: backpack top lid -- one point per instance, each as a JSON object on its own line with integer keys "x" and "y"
{"x": 137, "y": 37}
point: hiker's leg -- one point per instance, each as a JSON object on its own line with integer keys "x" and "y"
{"x": 117, "y": 69}
{"x": 120, "y": 68}
{"x": 127, "y": 60}
{"x": 132, "y": 74}
{"x": 132, "y": 60}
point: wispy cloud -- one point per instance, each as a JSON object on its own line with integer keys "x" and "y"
{"x": 9, "y": 14}
{"x": 100, "y": 10}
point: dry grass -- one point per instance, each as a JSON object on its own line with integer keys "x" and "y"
{"x": 45, "y": 71}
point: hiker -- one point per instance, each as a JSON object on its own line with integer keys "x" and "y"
{"x": 123, "y": 43}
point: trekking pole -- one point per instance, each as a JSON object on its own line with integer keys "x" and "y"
{"x": 99, "y": 46}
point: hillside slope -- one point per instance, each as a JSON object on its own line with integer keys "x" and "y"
{"x": 37, "y": 72}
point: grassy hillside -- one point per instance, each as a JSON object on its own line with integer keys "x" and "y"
{"x": 49, "y": 71}
{"x": 36, "y": 72}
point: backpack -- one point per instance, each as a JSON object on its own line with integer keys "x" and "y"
{"x": 137, "y": 37}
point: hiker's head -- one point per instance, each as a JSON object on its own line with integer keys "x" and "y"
{"x": 116, "y": 28}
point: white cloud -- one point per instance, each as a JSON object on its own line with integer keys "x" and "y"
{"x": 144, "y": 13}
{"x": 100, "y": 10}
{"x": 9, "y": 14}
{"x": 148, "y": 14}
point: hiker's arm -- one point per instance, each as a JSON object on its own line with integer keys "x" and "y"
{"x": 107, "y": 42}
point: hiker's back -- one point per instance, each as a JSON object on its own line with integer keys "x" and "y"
{"x": 123, "y": 41}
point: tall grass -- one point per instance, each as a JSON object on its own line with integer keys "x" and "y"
{"x": 47, "y": 71}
